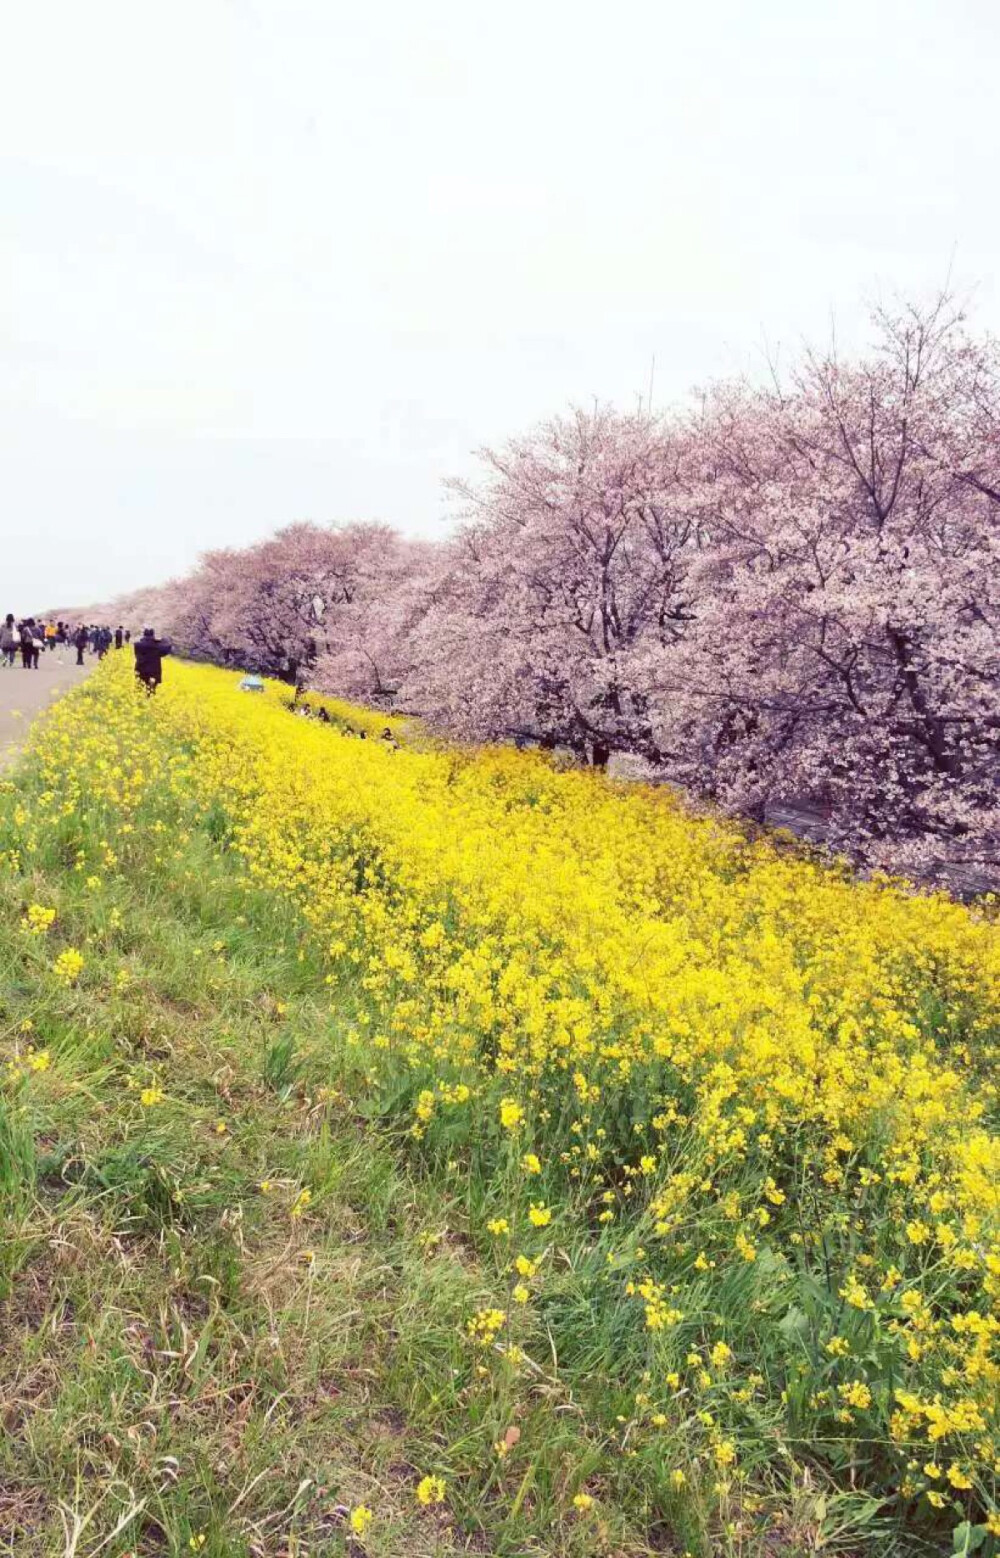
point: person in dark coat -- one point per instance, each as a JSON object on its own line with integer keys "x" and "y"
{"x": 29, "y": 645}
{"x": 149, "y": 653}
{"x": 119, "y": 636}
{"x": 80, "y": 640}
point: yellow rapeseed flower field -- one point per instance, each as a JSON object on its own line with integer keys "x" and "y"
{"x": 746, "y": 1096}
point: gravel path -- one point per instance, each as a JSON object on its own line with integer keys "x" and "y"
{"x": 24, "y": 694}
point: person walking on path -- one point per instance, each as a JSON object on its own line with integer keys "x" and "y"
{"x": 9, "y": 639}
{"x": 119, "y": 636}
{"x": 29, "y": 642}
{"x": 149, "y": 653}
{"x": 80, "y": 640}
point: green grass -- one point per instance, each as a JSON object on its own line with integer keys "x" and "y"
{"x": 180, "y": 1355}
{"x": 232, "y": 1313}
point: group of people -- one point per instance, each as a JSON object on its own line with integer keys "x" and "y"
{"x": 98, "y": 639}
{"x": 30, "y": 638}
{"x": 306, "y": 711}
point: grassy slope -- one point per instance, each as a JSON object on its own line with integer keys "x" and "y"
{"x": 180, "y": 1354}
{"x": 222, "y": 1361}
{"x": 176, "y": 1344}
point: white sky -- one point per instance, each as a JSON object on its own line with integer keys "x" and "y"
{"x": 264, "y": 260}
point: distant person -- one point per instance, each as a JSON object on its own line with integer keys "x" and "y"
{"x": 30, "y": 644}
{"x": 80, "y": 640}
{"x": 128, "y": 634}
{"x": 119, "y": 636}
{"x": 9, "y": 639}
{"x": 149, "y": 653}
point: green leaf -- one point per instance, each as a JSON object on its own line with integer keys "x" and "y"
{"x": 793, "y": 1323}
{"x": 967, "y": 1538}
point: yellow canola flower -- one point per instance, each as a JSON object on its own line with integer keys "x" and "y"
{"x": 68, "y": 966}
{"x": 855, "y": 1394}
{"x": 431, "y": 1490}
{"x": 361, "y": 1518}
{"x": 529, "y": 942}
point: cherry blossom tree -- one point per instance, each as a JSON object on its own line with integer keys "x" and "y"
{"x": 287, "y": 595}
{"x": 846, "y": 647}
{"x": 791, "y": 595}
{"x": 572, "y": 556}
{"x": 371, "y": 641}
{"x": 283, "y": 604}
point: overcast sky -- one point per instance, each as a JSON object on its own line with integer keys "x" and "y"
{"x": 265, "y": 260}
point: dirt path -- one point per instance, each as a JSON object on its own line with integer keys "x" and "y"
{"x": 24, "y": 694}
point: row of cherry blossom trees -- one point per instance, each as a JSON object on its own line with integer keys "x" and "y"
{"x": 791, "y": 592}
